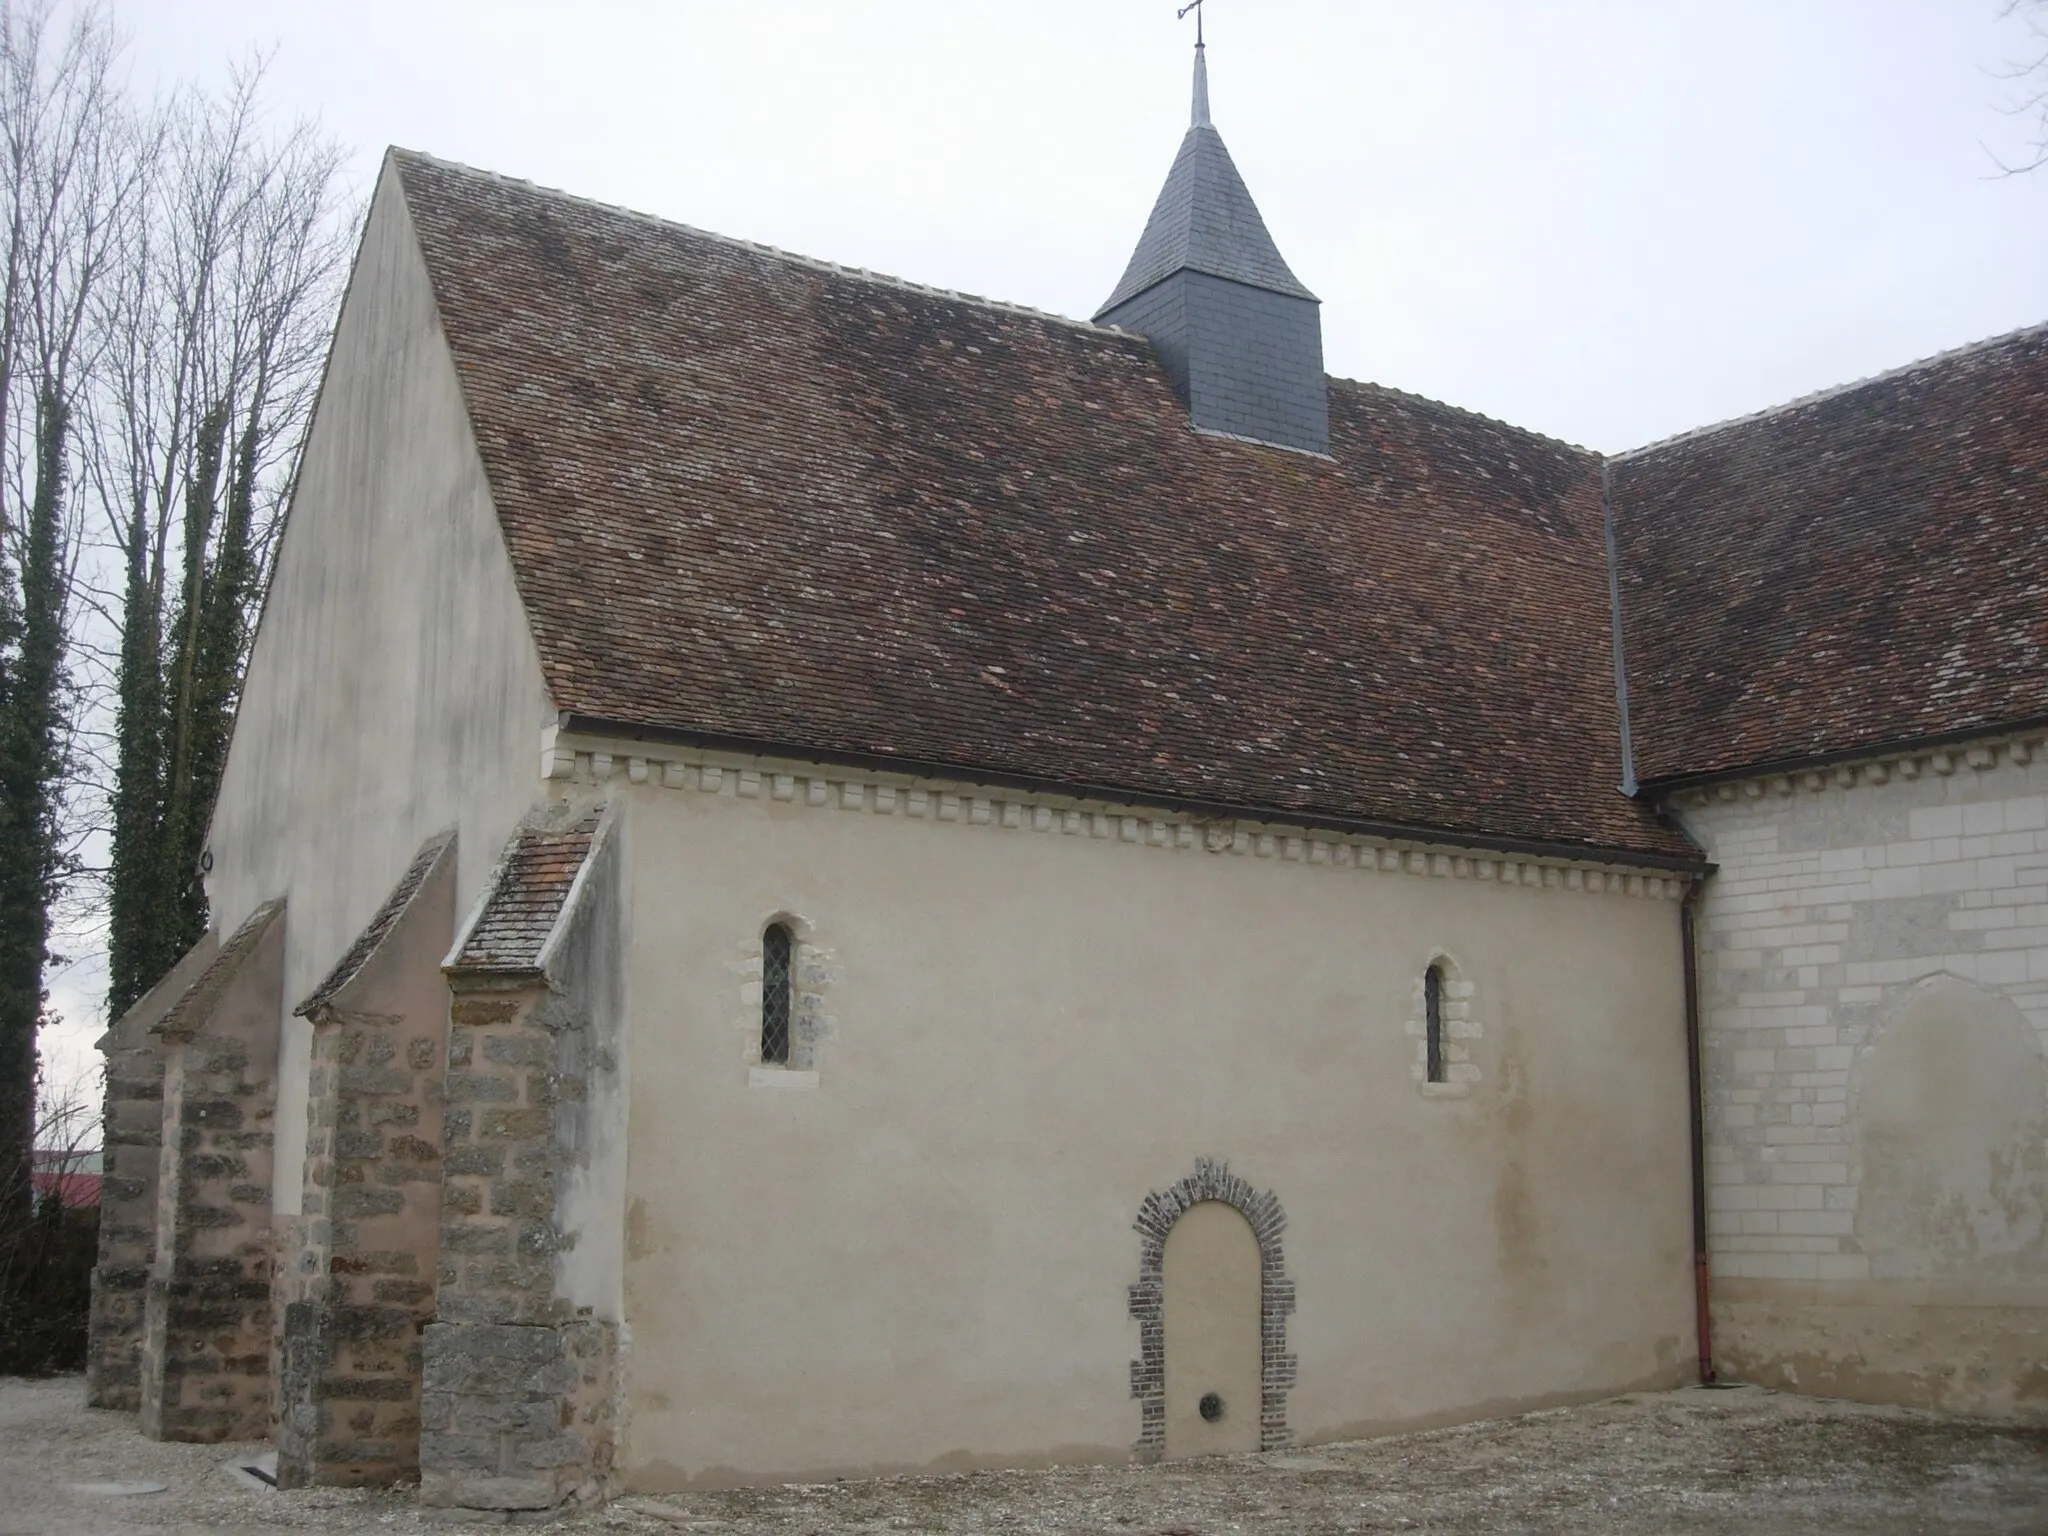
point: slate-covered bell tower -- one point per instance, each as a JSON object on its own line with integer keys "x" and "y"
{"x": 1241, "y": 338}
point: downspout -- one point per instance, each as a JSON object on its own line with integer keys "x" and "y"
{"x": 1695, "y": 1105}
{"x": 1696, "y": 1113}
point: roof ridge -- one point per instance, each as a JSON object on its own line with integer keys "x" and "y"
{"x": 1466, "y": 411}
{"x": 1834, "y": 391}
{"x": 818, "y": 263}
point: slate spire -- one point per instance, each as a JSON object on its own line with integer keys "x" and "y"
{"x": 1239, "y": 334}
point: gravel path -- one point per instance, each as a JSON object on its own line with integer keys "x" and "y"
{"x": 1694, "y": 1462}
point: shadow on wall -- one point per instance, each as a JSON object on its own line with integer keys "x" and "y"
{"x": 1950, "y": 1108}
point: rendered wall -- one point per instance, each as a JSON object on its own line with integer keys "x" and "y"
{"x": 916, "y": 1248}
{"x": 394, "y": 691}
{"x": 1874, "y": 973}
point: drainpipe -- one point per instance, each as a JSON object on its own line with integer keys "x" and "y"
{"x": 1697, "y": 1114}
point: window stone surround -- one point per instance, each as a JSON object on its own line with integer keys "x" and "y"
{"x": 1462, "y": 1031}
{"x": 814, "y": 968}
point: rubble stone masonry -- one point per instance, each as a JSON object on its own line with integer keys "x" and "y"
{"x": 361, "y": 1286}
{"x": 517, "y": 1407}
{"x": 205, "y": 1366}
{"x": 133, "y": 1132}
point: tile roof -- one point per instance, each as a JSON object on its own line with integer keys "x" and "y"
{"x": 517, "y": 914}
{"x": 188, "y": 1015}
{"x": 1860, "y": 569}
{"x": 380, "y": 926}
{"x": 755, "y": 498}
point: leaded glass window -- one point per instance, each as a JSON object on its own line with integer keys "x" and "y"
{"x": 1433, "y": 1021}
{"x": 775, "y": 994}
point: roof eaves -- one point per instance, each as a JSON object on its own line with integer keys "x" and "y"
{"x": 1357, "y": 826}
{"x": 1903, "y": 746}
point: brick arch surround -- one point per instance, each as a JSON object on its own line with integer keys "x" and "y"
{"x": 1156, "y": 1216}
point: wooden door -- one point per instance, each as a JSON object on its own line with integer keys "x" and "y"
{"x": 1211, "y": 1277}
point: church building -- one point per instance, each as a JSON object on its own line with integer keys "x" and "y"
{"x": 819, "y": 877}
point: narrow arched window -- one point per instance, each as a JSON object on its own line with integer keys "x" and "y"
{"x": 775, "y": 994}
{"x": 1433, "y": 1022}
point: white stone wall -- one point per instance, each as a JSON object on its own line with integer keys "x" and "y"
{"x": 1028, "y": 1016}
{"x": 1874, "y": 980}
{"x": 394, "y": 691}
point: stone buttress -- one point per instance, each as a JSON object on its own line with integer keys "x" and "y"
{"x": 133, "y": 1129}
{"x": 205, "y": 1356}
{"x": 356, "y": 1295}
{"x": 518, "y": 1410}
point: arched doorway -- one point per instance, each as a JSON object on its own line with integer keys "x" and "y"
{"x": 1211, "y": 1257}
{"x": 1211, "y": 1277}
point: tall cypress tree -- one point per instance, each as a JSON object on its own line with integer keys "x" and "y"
{"x": 31, "y": 766}
{"x": 188, "y": 800}
{"x": 177, "y": 710}
{"x": 138, "y": 948}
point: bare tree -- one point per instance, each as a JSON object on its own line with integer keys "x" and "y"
{"x": 64, "y": 189}
{"x": 2030, "y": 76}
{"x": 217, "y": 330}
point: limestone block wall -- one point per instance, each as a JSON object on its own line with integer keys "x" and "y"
{"x": 1874, "y": 975}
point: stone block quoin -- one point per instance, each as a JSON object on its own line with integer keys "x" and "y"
{"x": 205, "y": 1356}
{"x": 355, "y": 1298}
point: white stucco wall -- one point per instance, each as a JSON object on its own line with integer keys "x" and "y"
{"x": 1874, "y": 977}
{"x": 393, "y": 691}
{"x": 587, "y": 969}
{"x": 1021, "y": 1019}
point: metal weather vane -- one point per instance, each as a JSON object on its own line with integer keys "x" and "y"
{"x": 1182, "y": 13}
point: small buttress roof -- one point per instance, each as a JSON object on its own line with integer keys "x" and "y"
{"x": 757, "y": 500}
{"x": 188, "y": 1015}
{"x": 380, "y": 926}
{"x": 509, "y": 931}
{"x": 1205, "y": 220}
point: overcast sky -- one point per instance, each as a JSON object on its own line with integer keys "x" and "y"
{"x": 1609, "y": 220}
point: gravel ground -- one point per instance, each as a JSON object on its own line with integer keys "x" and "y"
{"x": 1702, "y": 1463}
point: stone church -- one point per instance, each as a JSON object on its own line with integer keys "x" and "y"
{"x": 819, "y": 877}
